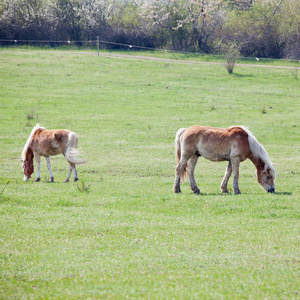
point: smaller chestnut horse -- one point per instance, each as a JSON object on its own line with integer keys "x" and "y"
{"x": 43, "y": 142}
{"x": 234, "y": 144}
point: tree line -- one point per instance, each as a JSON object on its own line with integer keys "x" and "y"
{"x": 261, "y": 28}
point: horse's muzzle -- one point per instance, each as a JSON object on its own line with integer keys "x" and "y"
{"x": 271, "y": 190}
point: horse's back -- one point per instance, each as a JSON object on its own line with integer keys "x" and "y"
{"x": 50, "y": 142}
{"x": 190, "y": 138}
{"x": 214, "y": 133}
{"x": 216, "y": 144}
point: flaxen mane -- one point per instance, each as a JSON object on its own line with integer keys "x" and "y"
{"x": 259, "y": 151}
{"x": 25, "y": 149}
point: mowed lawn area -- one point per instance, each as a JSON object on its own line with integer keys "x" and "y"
{"x": 120, "y": 231}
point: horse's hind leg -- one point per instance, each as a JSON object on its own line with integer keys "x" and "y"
{"x": 72, "y": 168}
{"x": 191, "y": 168}
{"x": 226, "y": 178}
{"x": 235, "y": 169}
{"x": 181, "y": 166}
{"x": 74, "y": 172}
{"x": 69, "y": 174}
{"x": 49, "y": 168}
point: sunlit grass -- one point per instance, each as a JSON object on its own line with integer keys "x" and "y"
{"x": 121, "y": 231}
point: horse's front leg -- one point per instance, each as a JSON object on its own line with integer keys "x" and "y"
{"x": 235, "y": 169}
{"x": 191, "y": 168}
{"x": 49, "y": 168}
{"x": 179, "y": 169}
{"x": 226, "y": 178}
{"x": 38, "y": 167}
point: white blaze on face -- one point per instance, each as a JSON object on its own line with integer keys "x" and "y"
{"x": 25, "y": 178}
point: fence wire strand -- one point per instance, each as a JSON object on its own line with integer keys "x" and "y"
{"x": 129, "y": 46}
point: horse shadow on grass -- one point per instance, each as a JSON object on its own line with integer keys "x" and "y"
{"x": 242, "y": 75}
{"x": 212, "y": 194}
{"x": 232, "y": 194}
{"x": 283, "y": 194}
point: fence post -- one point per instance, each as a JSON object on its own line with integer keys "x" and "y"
{"x": 98, "y": 44}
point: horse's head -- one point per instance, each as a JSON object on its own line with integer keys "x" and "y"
{"x": 266, "y": 178}
{"x": 27, "y": 165}
{"x": 28, "y": 169}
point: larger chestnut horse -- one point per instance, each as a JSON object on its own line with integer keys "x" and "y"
{"x": 234, "y": 144}
{"x": 43, "y": 142}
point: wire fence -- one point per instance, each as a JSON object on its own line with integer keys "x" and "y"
{"x": 92, "y": 43}
{"x": 100, "y": 44}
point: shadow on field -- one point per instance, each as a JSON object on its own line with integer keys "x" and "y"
{"x": 242, "y": 75}
{"x": 232, "y": 194}
{"x": 284, "y": 194}
{"x": 213, "y": 194}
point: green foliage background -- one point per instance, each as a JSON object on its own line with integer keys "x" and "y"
{"x": 261, "y": 28}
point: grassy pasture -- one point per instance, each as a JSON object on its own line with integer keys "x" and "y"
{"x": 120, "y": 232}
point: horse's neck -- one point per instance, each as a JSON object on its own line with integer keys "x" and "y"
{"x": 259, "y": 164}
{"x": 29, "y": 155}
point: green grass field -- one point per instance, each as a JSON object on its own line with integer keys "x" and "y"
{"x": 121, "y": 232}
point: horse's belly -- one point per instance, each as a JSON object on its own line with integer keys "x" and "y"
{"x": 219, "y": 155}
{"x": 53, "y": 151}
{"x": 214, "y": 152}
{"x": 215, "y": 156}
{"x": 48, "y": 149}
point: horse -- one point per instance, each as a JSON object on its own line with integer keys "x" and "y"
{"x": 234, "y": 144}
{"x": 43, "y": 142}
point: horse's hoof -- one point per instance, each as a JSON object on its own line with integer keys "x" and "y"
{"x": 51, "y": 179}
{"x": 197, "y": 192}
{"x": 37, "y": 180}
{"x": 67, "y": 180}
{"x": 177, "y": 190}
{"x": 237, "y": 192}
{"x": 76, "y": 179}
{"x": 224, "y": 191}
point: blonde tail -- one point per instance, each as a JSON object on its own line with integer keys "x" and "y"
{"x": 178, "y": 152}
{"x": 72, "y": 152}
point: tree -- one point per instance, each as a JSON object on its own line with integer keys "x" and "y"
{"x": 21, "y": 19}
{"x": 265, "y": 28}
{"x": 289, "y": 29}
{"x": 205, "y": 17}
{"x": 159, "y": 12}
{"x": 95, "y": 16}
{"x": 256, "y": 30}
